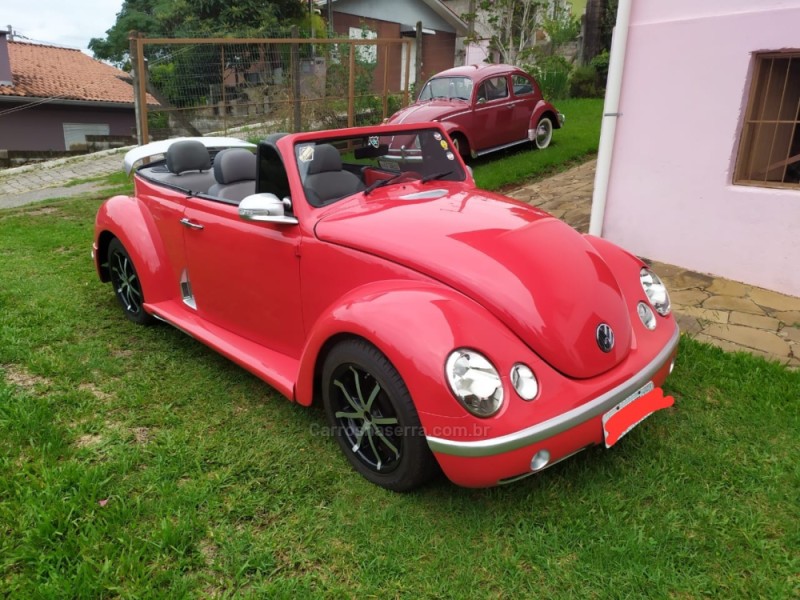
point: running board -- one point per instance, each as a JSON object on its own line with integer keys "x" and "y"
{"x": 503, "y": 147}
{"x": 278, "y": 370}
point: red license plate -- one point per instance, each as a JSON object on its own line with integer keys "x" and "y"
{"x": 633, "y": 410}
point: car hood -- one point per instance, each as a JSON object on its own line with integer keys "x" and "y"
{"x": 428, "y": 111}
{"x": 537, "y": 275}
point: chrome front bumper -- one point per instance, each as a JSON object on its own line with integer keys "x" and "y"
{"x": 561, "y": 423}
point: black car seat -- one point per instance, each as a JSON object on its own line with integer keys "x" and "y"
{"x": 235, "y": 174}
{"x": 326, "y": 180}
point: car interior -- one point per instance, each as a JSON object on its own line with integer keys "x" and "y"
{"x": 232, "y": 174}
{"x": 228, "y": 175}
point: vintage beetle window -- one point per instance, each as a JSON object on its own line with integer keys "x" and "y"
{"x": 333, "y": 169}
{"x": 449, "y": 88}
{"x": 522, "y": 85}
{"x": 494, "y": 88}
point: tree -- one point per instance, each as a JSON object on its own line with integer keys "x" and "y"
{"x": 561, "y": 28}
{"x": 195, "y": 18}
{"x": 513, "y": 24}
{"x": 518, "y": 26}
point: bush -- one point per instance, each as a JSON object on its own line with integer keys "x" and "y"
{"x": 600, "y": 64}
{"x": 552, "y": 72}
{"x": 583, "y": 83}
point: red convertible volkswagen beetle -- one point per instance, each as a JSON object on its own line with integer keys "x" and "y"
{"x": 441, "y": 326}
{"x": 485, "y": 108}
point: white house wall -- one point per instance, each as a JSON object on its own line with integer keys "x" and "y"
{"x": 685, "y": 85}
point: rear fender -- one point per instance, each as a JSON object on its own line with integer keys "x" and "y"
{"x": 545, "y": 109}
{"x": 125, "y": 218}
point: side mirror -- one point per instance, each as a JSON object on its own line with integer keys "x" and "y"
{"x": 265, "y": 208}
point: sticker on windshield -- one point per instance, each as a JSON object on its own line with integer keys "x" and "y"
{"x": 306, "y": 154}
{"x": 444, "y": 144}
{"x": 450, "y": 156}
{"x": 374, "y": 141}
{"x": 437, "y": 136}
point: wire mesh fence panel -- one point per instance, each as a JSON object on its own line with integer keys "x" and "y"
{"x": 253, "y": 87}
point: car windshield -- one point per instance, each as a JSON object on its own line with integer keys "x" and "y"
{"x": 450, "y": 88}
{"x": 335, "y": 168}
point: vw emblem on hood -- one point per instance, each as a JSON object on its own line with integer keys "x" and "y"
{"x": 605, "y": 337}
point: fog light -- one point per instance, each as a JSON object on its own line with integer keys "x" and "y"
{"x": 646, "y": 315}
{"x": 540, "y": 460}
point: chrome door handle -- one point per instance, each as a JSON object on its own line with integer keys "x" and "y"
{"x": 188, "y": 223}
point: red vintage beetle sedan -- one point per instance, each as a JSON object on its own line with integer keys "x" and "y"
{"x": 485, "y": 108}
{"x": 441, "y": 326}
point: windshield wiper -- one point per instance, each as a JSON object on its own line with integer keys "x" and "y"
{"x": 433, "y": 176}
{"x": 383, "y": 182}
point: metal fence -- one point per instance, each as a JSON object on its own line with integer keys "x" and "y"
{"x": 255, "y": 86}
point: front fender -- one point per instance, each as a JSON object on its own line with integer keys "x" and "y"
{"x": 125, "y": 218}
{"x": 416, "y": 325}
{"x": 453, "y": 129}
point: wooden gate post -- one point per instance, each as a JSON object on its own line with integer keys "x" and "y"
{"x": 139, "y": 86}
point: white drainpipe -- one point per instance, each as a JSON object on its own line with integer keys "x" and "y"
{"x": 616, "y": 64}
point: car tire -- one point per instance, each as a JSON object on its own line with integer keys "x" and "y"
{"x": 461, "y": 145}
{"x": 544, "y": 133}
{"x": 126, "y": 283}
{"x": 373, "y": 418}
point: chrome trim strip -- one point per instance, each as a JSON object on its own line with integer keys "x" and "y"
{"x": 171, "y": 324}
{"x": 426, "y": 195}
{"x": 561, "y": 423}
{"x": 503, "y": 147}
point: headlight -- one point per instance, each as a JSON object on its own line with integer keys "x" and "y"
{"x": 474, "y": 382}
{"x": 655, "y": 290}
{"x": 524, "y": 381}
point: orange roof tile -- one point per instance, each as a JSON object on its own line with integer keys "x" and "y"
{"x": 50, "y": 72}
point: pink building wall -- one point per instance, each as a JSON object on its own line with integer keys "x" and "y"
{"x": 687, "y": 76}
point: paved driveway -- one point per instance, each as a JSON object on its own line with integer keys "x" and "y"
{"x": 32, "y": 183}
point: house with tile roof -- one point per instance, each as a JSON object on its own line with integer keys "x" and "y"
{"x": 51, "y": 98}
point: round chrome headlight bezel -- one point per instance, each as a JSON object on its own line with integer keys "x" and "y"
{"x": 656, "y": 291}
{"x": 474, "y": 381}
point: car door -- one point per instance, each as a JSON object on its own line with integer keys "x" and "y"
{"x": 244, "y": 275}
{"x": 493, "y": 110}
{"x": 524, "y": 94}
{"x": 166, "y": 207}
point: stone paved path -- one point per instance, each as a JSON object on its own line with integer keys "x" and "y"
{"x": 731, "y": 315}
{"x": 54, "y": 174}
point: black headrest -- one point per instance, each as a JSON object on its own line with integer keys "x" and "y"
{"x": 187, "y": 155}
{"x": 234, "y": 164}
{"x": 326, "y": 158}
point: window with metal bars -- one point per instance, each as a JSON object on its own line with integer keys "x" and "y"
{"x": 769, "y": 149}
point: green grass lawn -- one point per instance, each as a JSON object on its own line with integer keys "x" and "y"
{"x": 135, "y": 462}
{"x": 571, "y": 145}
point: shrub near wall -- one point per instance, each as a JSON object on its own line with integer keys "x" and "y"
{"x": 553, "y": 74}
